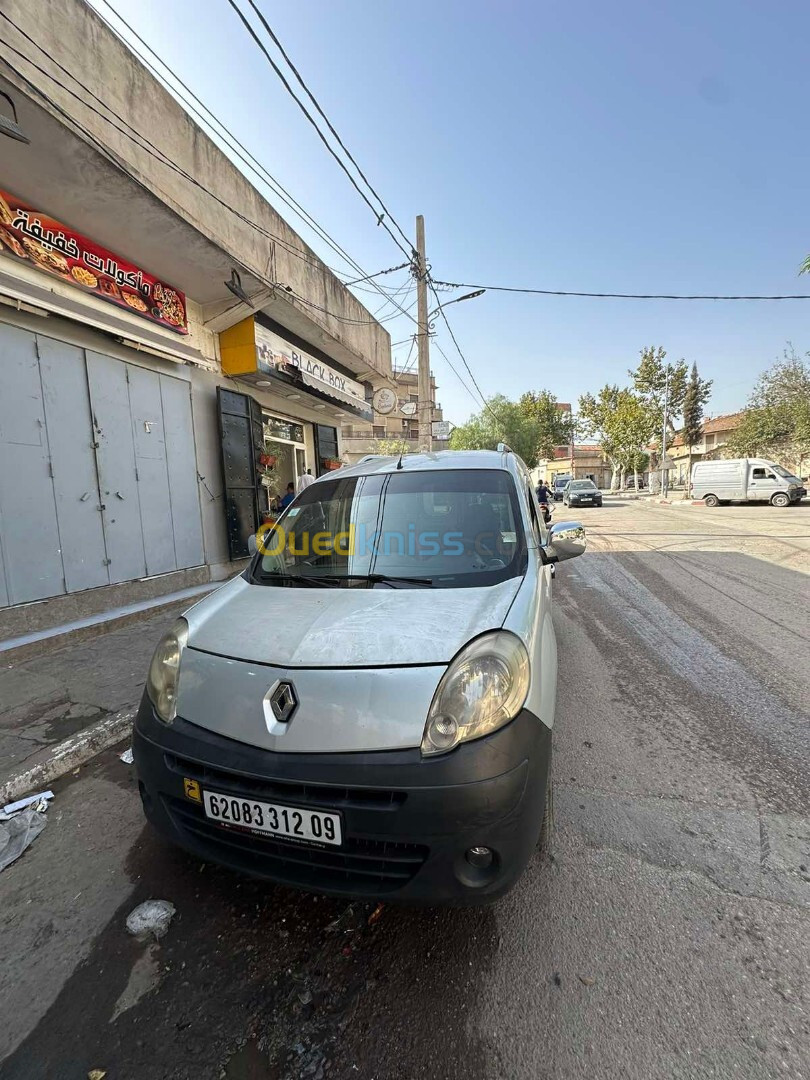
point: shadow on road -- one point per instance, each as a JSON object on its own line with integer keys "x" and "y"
{"x": 257, "y": 982}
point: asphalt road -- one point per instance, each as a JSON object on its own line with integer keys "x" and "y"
{"x": 669, "y": 937}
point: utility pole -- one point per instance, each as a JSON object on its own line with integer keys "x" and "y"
{"x": 573, "y": 434}
{"x": 664, "y": 473}
{"x": 423, "y": 342}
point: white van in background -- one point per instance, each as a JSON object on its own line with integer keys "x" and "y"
{"x": 745, "y": 480}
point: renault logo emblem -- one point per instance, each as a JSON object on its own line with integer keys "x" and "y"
{"x": 283, "y": 702}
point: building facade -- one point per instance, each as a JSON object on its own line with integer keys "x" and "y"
{"x": 587, "y": 464}
{"x": 397, "y": 425}
{"x": 168, "y": 364}
{"x": 716, "y": 433}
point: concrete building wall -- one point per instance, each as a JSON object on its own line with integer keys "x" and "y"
{"x": 71, "y": 31}
{"x": 360, "y": 437}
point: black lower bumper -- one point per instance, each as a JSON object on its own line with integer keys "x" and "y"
{"x": 407, "y": 821}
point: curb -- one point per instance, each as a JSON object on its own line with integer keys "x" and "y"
{"x": 37, "y": 643}
{"x": 54, "y": 761}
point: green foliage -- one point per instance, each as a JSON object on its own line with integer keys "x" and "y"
{"x": 620, "y": 420}
{"x": 697, "y": 394}
{"x": 656, "y": 382}
{"x": 391, "y": 447}
{"x": 631, "y": 427}
{"x": 532, "y": 427}
{"x": 777, "y": 420}
{"x": 554, "y": 427}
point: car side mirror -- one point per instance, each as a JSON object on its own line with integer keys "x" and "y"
{"x": 253, "y": 546}
{"x": 566, "y": 540}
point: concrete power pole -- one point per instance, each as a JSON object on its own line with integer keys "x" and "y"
{"x": 423, "y": 342}
{"x": 664, "y": 472}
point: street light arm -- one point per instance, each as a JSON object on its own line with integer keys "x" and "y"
{"x": 458, "y": 299}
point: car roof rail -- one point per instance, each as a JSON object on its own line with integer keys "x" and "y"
{"x": 503, "y": 448}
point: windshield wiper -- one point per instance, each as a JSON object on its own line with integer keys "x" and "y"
{"x": 388, "y": 579}
{"x": 305, "y": 579}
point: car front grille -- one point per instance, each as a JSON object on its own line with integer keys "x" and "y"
{"x": 325, "y": 795}
{"x": 369, "y": 866}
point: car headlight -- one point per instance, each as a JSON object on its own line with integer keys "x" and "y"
{"x": 484, "y": 688}
{"x": 161, "y": 682}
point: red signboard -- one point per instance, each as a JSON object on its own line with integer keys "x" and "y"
{"x": 50, "y": 246}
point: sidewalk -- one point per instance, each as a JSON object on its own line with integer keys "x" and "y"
{"x": 47, "y": 699}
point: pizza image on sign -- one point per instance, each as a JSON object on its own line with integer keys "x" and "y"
{"x": 28, "y": 234}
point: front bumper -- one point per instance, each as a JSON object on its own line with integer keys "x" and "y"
{"x": 407, "y": 821}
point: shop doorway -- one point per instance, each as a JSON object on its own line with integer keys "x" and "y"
{"x": 285, "y": 457}
{"x": 98, "y": 477}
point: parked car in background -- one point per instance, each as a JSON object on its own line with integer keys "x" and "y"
{"x": 745, "y": 480}
{"x": 559, "y": 486}
{"x": 367, "y": 710}
{"x": 581, "y": 493}
{"x": 631, "y": 483}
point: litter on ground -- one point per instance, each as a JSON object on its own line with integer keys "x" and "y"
{"x": 20, "y": 804}
{"x": 17, "y": 833}
{"x": 150, "y": 919}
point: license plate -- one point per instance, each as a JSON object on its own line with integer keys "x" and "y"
{"x": 312, "y": 826}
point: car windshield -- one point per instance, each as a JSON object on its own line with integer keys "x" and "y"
{"x": 560, "y": 483}
{"x": 785, "y": 474}
{"x": 434, "y": 528}
{"x": 582, "y": 485}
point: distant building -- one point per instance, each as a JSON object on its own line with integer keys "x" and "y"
{"x": 588, "y": 464}
{"x": 172, "y": 353}
{"x": 716, "y": 433}
{"x": 360, "y": 437}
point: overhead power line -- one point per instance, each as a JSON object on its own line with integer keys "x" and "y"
{"x": 378, "y": 216}
{"x": 328, "y": 122}
{"x": 144, "y": 144}
{"x": 207, "y": 117}
{"x": 613, "y": 295}
{"x": 443, "y": 314}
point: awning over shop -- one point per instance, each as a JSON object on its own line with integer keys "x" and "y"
{"x": 43, "y": 295}
{"x": 257, "y": 355}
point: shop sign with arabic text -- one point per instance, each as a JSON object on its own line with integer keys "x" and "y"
{"x": 48, "y": 245}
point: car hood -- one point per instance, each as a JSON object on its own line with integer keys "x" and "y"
{"x": 303, "y": 627}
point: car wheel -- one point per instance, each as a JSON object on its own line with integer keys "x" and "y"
{"x": 547, "y": 827}
{"x": 781, "y": 498}
{"x": 711, "y": 500}
{"x": 599, "y": 503}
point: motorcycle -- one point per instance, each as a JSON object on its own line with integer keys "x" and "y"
{"x": 546, "y": 511}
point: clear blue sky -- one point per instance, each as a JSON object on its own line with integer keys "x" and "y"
{"x": 627, "y": 147}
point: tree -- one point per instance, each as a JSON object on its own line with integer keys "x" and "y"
{"x": 697, "y": 394}
{"x": 621, "y": 422}
{"x": 531, "y": 427}
{"x": 597, "y": 418}
{"x": 658, "y": 385}
{"x": 555, "y": 427}
{"x": 632, "y": 431}
{"x": 777, "y": 420}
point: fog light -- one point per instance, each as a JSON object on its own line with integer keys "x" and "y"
{"x": 480, "y": 857}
